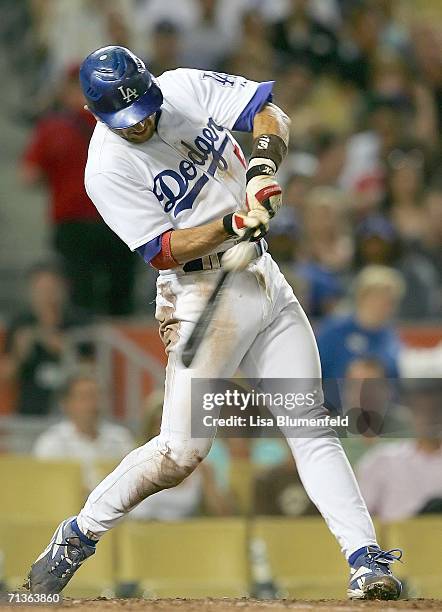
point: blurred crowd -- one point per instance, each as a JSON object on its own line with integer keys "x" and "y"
{"x": 259, "y": 476}
{"x": 359, "y": 237}
{"x": 361, "y": 81}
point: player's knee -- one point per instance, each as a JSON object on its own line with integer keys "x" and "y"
{"x": 186, "y": 459}
{"x": 178, "y": 460}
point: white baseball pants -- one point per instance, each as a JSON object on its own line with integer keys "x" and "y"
{"x": 260, "y": 328}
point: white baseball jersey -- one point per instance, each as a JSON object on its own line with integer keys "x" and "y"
{"x": 191, "y": 171}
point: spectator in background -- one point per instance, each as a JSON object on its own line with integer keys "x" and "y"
{"x": 83, "y": 434}
{"x": 392, "y": 81}
{"x": 99, "y": 266}
{"x": 363, "y": 174}
{"x": 378, "y": 242}
{"x": 278, "y": 491}
{"x": 165, "y": 47}
{"x": 330, "y": 151}
{"x": 36, "y": 340}
{"x": 427, "y": 50}
{"x": 149, "y": 13}
{"x": 69, "y": 30}
{"x": 196, "y": 18}
{"x": 405, "y": 181}
{"x": 394, "y": 118}
{"x": 295, "y": 92}
{"x": 301, "y": 36}
{"x": 369, "y": 400}
{"x": 283, "y": 237}
{"x": 390, "y": 76}
{"x": 284, "y": 243}
{"x": 393, "y": 34}
{"x": 300, "y": 168}
{"x": 314, "y": 104}
{"x": 370, "y": 396}
{"x": 368, "y": 329}
{"x": 327, "y": 249}
{"x": 209, "y": 36}
{"x": 253, "y": 57}
{"x": 358, "y": 44}
{"x": 403, "y": 479}
{"x": 432, "y": 235}
{"x": 360, "y": 370}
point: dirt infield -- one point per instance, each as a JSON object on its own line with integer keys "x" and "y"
{"x": 232, "y": 605}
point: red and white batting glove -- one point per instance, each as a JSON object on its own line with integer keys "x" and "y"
{"x": 236, "y": 224}
{"x": 263, "y": 190}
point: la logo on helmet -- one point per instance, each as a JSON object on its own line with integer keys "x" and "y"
{"x": 128, "y": 94}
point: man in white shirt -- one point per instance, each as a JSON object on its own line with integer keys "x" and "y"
{"x": 83, "y": 435}
{"x": 402, "y": 479}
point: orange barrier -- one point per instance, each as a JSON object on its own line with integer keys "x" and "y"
{"x": 146, "y": 336}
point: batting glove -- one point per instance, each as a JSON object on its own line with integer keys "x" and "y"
{"x": 237, "y": 223}
{"x": 238, "y": 257}
{"x": 263, "y": 190}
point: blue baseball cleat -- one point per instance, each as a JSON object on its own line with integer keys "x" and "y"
{"x": 64, "y": 554}
{"x": 371, "y": 577}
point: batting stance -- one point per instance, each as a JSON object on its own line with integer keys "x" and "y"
{"x": 168, "y": 177}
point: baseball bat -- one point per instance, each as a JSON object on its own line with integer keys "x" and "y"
{"x": 199, "y": 331}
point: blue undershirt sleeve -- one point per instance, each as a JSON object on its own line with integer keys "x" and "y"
{"x": 150, "y": 250}
{"x": 263, "y": 94}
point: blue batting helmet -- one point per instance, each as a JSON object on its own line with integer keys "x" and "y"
{"x": 118, "y": 87}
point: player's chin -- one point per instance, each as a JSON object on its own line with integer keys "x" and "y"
{"x": 139, "y": 138}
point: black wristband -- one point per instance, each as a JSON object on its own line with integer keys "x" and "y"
{"x": 259, "y": 170}
{"x": 271, "y": 147}
{"x": 228, "y": 226}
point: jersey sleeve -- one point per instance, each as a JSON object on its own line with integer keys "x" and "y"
{"x": 232, "y": 101}
{"x": 130, "y": 209}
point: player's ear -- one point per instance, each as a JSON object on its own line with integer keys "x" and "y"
{"x": 86, "y": 108}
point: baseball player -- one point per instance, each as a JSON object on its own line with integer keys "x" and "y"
{"x": 168, "y": 177}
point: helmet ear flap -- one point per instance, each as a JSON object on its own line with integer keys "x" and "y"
{"x": 92, "y": 94}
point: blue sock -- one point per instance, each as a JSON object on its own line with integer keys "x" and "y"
{"x": 352, "y": 558}
{"x": 81, "y": 535}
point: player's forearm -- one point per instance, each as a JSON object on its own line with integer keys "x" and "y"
{"x": 188, "y": 244}
{"x": 270, "y": 145}
{"x": 272, "y": 120}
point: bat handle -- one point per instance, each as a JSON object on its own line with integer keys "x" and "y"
{"x": 248, "y": 234}
{"x": 205, "y": 318}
